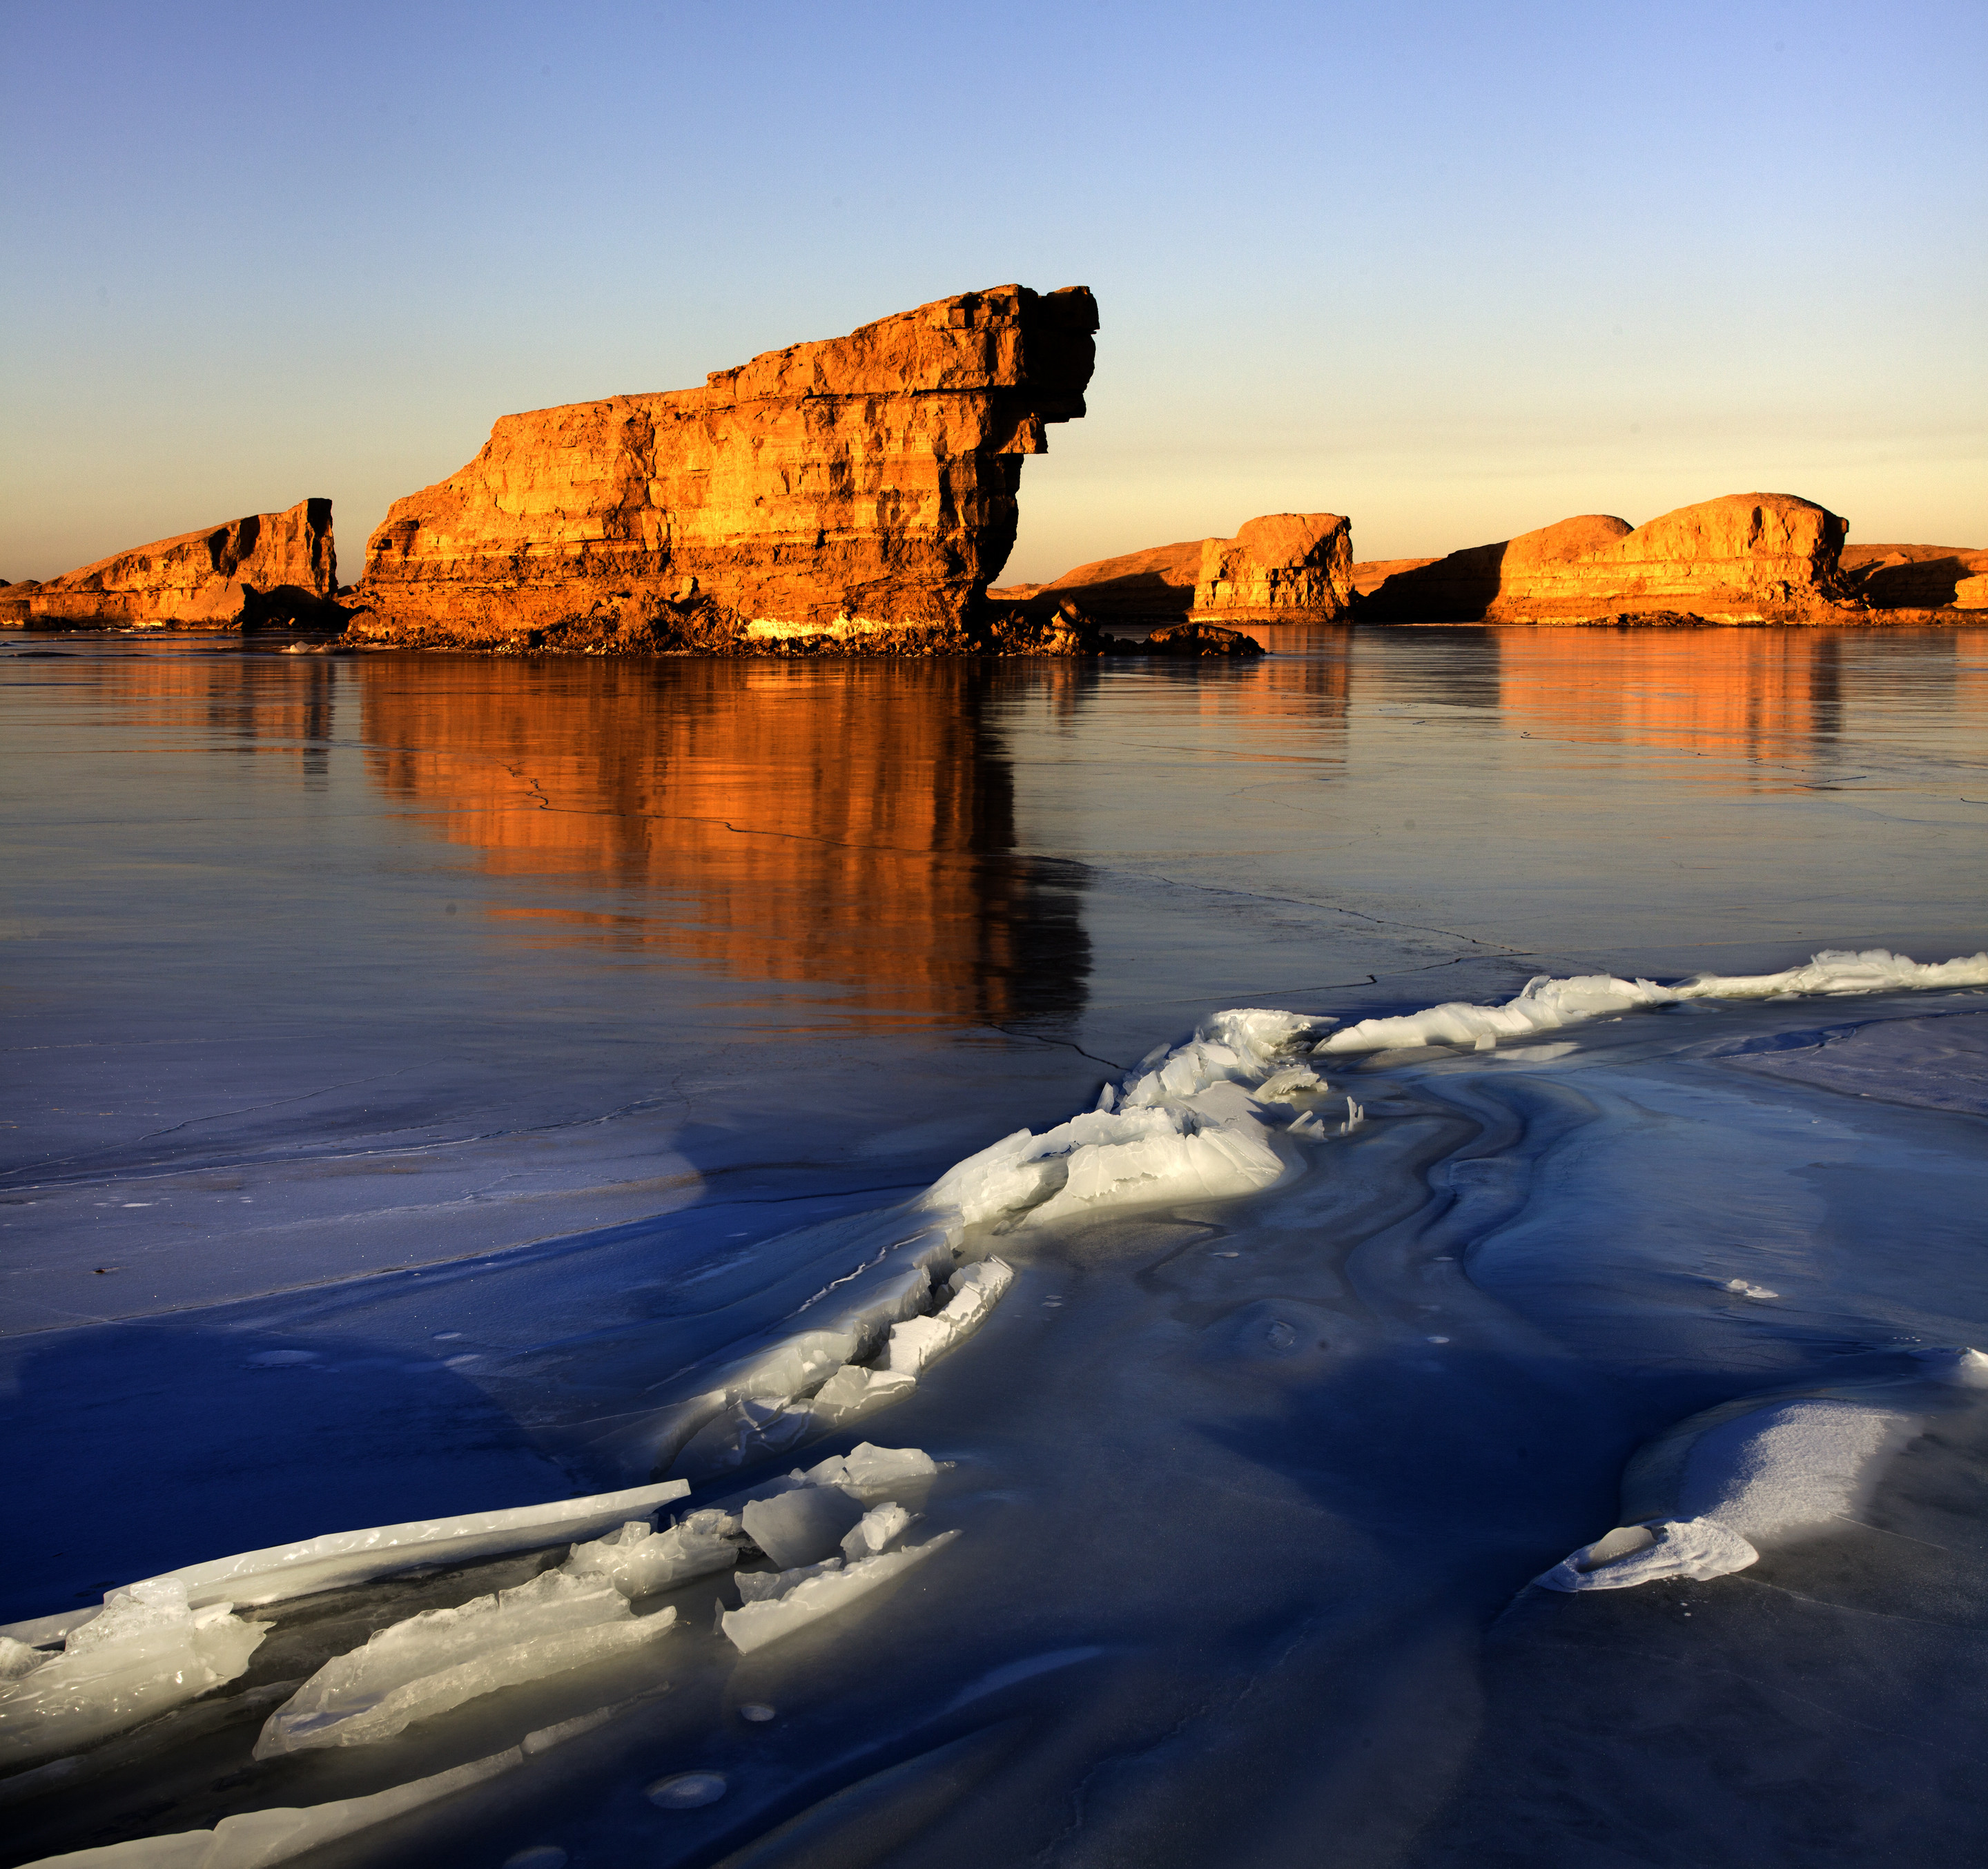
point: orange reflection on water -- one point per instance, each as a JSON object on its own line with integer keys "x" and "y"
{"x": 1755, "y": 694}
{"x": 844, "y": 823}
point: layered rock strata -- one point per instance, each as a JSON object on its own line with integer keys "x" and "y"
{"x": 265, "y": 569}
{"x": 1286, "y": 567}
{"x": 1747, "y": 558}
{"x": 856, "y": 492}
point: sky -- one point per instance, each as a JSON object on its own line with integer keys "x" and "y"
{"x": 1454, "y": 270}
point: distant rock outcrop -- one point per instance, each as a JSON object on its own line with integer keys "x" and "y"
{"x": 856, "y": 492}
{"x": 1912, "y": 576}
{"x": 1747, "y": 558}
{"x": 1286, "y": 567}
{"x": 1156, "y": 586}
{"x": 265, "y": 569}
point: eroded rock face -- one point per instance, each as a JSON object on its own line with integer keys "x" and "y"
{"x": 259, "y": 568}
{"x": 1747, "y": 558}
{"x": 860, "y": 488}
{"x": 1286, "y": 567}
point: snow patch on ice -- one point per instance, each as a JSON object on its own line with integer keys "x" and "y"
{"x": 1545, "y": 1004}
{"x": 1757, "y": 1476}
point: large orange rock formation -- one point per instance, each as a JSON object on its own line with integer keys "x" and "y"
{"x": 1286, "y": 567}
{"x": 1747, "y": 558}
{"x": 263, "y": 568}
{"x": 859, "y": 489}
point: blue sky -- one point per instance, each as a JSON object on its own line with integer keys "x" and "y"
{"x": 1454, "y": 270}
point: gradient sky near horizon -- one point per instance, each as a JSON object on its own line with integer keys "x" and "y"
{"x": 1456, "y": 270}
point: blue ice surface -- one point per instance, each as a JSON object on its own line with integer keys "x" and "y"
{"x": 345, "y": 1042}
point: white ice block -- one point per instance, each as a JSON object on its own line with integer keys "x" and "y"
{"x": 867, "y": 1467}
{"x": 758, "y": 1624}
{"x": 435, "y": 1662}
{"x": 149, "y": 1650}
{"x": 767, "y": 1586}
{"x": 802, "y": 1526}
{"x": 879, "y": 1529}
{"x": 639, "y": 1561}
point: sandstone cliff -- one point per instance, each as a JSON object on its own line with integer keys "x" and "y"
{"x": 1747, "y": 558}
{"x": 263, "y": 568}
{"x": 859, "y": 491}
{"x": 1286, "y": 567}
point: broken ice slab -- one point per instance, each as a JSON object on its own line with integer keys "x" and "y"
{"x": 752, "y": 1403}
{"x": 867, "y": 1467}
{"x": 976, "y": 1289}
{"x": 757, "y": 1624}
{"x": 853, "y": 1390}
{"x": 148, "y": 1650}
{"x": 879, "y": 1529}
{"x": 802, "y": 1526}
{"x": 334, "y": 1559}
{"x": 254, "y": 1839}
{"x": 1281, "y": 1086}
{"x": 435, "y": 1662}
{"x": 767, "y": 1586}
{"x": 640, "y": 1561}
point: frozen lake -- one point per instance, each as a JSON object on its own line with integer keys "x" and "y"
{"x": 428, "y": 1076}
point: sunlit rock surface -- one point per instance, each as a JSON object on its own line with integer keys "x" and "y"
{"x": 1286, "y": 567}
{"x": 860, "y": 490}
{"x": 267, "y": 567}
{"x": 1745, "y": 558}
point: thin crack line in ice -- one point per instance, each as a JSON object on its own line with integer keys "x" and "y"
{"x": 1924, "y": 1544}
{"x": 218, "y": 1115}
{"x": 234, "y": 1163}
{"x": 883, "y": 1253}
{"x": 1048, "y": 1849}
{"x": 1068, "y": 1044}
{"x": 1329, "y": 908}
{"x": 538, "y": 791}
{"x": 1763, "y": 1687}
{"x": 1852, "y": 1609}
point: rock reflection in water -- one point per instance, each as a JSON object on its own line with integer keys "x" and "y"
{"x": 850, "y": 823}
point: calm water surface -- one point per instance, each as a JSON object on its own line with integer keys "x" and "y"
{"x": 354, "y": 1000}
